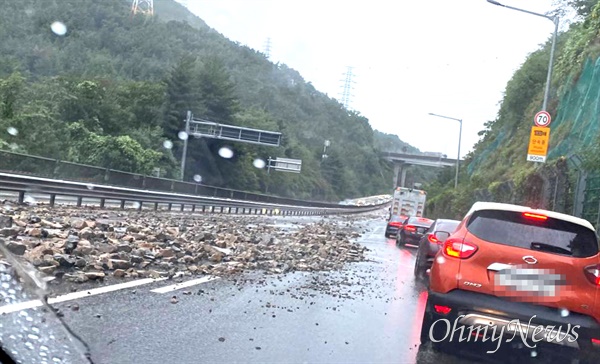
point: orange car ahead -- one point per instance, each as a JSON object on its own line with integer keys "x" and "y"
{"x": 531, "y": 277}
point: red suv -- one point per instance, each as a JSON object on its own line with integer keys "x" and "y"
{"x": 532, "y": 275}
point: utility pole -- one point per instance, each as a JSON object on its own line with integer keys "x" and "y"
{"x": 142, "y": 7}
{"x": 267, "y": 49}
{"x": 185, "y": 143}
{"x": 347, "y": 86}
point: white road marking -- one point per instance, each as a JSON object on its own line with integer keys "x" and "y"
{"x": 76, "y": 295}
{"x": 186, "y": 284}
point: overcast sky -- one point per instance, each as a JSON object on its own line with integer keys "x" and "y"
{"x": 410, "y": 58}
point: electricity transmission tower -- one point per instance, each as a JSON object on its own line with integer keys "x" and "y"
{"x": 347, "y": 87}
{"x": 267, "y": 49}
{"x": 142, "y": 7}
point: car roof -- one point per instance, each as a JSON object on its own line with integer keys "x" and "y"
{"x": 478, "y": 206}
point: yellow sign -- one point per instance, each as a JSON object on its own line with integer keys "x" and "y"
{"x": 538, "y": 144}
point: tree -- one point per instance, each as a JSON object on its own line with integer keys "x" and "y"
{"x": 181, "y": 96}
{"x": 217, "y": 90}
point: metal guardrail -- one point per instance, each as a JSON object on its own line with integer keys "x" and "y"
{"x": 23, "y": 164}
{"x": 36, "y": 185}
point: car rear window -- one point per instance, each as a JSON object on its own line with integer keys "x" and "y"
{"x": 446, "y": 226}
{"x": 549, "y": 235}
{"x": 396, "y": 218}
{"x": 421, "y": 221}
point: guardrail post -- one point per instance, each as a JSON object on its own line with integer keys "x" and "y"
{"x": 221, "y": 209}
{"x": 122, "y": 204}
{"x": 182, "y": 207}
{"x": 212, "y": 209}
{"x": 156, "y": 206}
{"x": 194, "y": 208}
{"x": 172, "y": 186}
{"x": 56, "y": 169}
{"x": 107, "y": 175}
{"x": 102, "y": 202}
{"x": 144, "y": 181}
{"x": 170, "y": 206}
{"x": 141, "y": 206}
{"x": 79, "y": 201}
{"x": 21, "y": 197}
{"x": 52, "y": 199}
{"x": 203, "y": 208}
{"x": 236, "y": 210}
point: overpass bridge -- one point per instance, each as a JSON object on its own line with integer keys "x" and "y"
{"x": 403, "y": 160}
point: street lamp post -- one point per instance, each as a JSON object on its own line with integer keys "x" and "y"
{"x": 554, "y": 20}
{"x": 459, "y": 140}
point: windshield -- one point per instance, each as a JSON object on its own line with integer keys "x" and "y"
{"x": 251, "y": 181}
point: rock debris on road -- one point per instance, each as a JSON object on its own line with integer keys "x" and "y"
{"x": 79, "y": 245}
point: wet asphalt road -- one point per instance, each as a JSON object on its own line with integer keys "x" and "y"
{"x": 368, "y": 313}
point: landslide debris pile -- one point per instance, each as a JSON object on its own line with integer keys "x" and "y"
{"x": 80, "y": 245}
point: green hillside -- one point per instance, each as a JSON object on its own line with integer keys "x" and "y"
{"x": 115, "y": 87}
{"x": 497, "y": 169}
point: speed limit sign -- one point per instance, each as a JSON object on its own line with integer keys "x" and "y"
{"x": 542, "y": 119}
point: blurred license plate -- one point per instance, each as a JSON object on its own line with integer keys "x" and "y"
{"x": 539, "y": 281}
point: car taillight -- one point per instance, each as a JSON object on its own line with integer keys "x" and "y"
{"x": 592, "y": 273}
{"x": 432, "y": 239}
{"x": 531, "y": 215}
{"x": 459, "y": 249}
{"x": 410, "y": 228}
{"x": 596, "y": 342}
{"x": 396, "y": 224}
{"x": 444, "y": 310}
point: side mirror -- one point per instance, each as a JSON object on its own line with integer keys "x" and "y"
{"x": 442, "y": 236}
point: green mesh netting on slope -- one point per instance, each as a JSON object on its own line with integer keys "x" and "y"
{"x": 479, "y": 159}
{"x": 575, "y": 126}
{"x": 577, "y": 123}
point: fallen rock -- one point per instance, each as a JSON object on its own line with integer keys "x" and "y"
{"x": 6, "y": 221}
{"x": 16, "y": 248}
{"x": 119, "y": 273}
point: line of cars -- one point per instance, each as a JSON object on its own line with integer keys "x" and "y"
{"x": 514, "y": 281}
{"x": 425, "y": 233}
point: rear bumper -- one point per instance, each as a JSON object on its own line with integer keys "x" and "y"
{"x": 391, "y": 231}
{"x": 412, "y": 238}
{"x": 511, "y": 325}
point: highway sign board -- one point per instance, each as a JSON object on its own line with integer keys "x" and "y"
{"x": 538, "y": 144}
{"x": 542, "y": 119}
{"x": 285, "y": 164}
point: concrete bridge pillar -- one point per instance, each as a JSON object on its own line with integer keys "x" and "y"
{"x": 400, "y": 170}
{"x": 397, "y": 168}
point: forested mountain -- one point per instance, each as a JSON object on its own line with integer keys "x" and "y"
{"x": 115, "y": 87}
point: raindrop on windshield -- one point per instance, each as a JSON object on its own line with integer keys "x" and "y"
{"x": 533, "y": 353}
{"x": 441, "y": 260}
{"x": 198, "y": 178}
{"x": 168, "y": 144}
{"x": 12, "y": 131}
{"x": 226, "y": 153}
{"x": 90, "y": 187}
{"x": 58, "y": 28}
{"x": 564, "y": 312}
{"x": 183, "y": 135}
{"x": 136, "y": 205}
{"x": 259, "y": 163}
